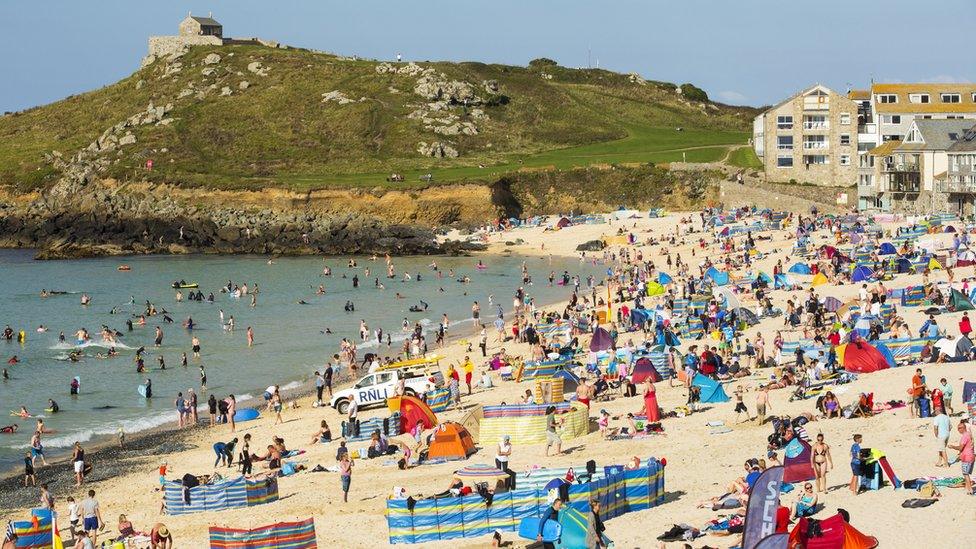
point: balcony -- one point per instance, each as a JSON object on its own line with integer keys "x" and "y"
{"x": 903, "y": 182}
{"x": 966, "y": 187}
{"x": 815, "y": 145}
{"x": 895, "y": 168}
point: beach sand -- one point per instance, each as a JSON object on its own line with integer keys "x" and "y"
{"x": 699, "y": 464}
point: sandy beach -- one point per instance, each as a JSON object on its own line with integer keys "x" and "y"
{"x": 699, "y": 463}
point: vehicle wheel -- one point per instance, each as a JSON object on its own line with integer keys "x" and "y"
{"x": 342, "y": 407}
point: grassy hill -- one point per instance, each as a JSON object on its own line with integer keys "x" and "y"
{"x": 234, "y": 124}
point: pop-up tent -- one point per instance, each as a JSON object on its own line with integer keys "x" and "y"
{"x": 886, "y": 248}
{"x": 861, "y": 357}
{"x": 818, "y": 280}
{"x": 800, "y": 269}
{"x": 796, "y": 461}
{"x": 413, "y": 410}
{"x": 654, "y": 288}
{"x": 831, "y": 303}
{"x": 664, "y": 278}
{"x": 956, "y": 349}
{"x": 783, "y": 281}
{"x": 644, "y": 369}
{"x": 451, "y": 441}
{"x": 834, "y": 533}
{"x": 719, "y": 278}
{"x": 601, "y": 340}
{"x": 711, "y": 390}
{"x": 861, "y": 273}
{"x": 959, "y": 302}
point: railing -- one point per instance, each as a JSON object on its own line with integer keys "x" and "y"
{"x": 955, "y": 187}
{"x": 783, "y": 147}
{"x": 814, "y": 145}
{"x": 784, "y": 125}
{"x": 903, "y": 187}
{"x": 890, "y": 168}
{"x": 816, "y": 125}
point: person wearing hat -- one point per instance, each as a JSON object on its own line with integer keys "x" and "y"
{"x": 160, "y": 538}
{"x": 501, "y": 459}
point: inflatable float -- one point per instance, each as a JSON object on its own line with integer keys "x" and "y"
{"x": 185, "y": 285}
{"x": 247, "y": 414}
{"x": 124, "y": 268}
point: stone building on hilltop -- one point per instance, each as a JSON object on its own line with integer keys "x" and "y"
{"x": 201, "y": 26}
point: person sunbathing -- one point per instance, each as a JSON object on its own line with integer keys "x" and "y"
{"x": 273, "y": 457}
{"x": 126, "y": 530}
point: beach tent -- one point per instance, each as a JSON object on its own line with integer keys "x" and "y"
{"x": 451, "y": 441}
{"x": 831, "y": 303}
{"x": 861, "y": 357}
{"x": 886, "y": 248}
{"x": 886, "y": 352}
{"x": 601, "y": 340}
{"x": 800, "y": 268}
{"x": 720, "y": 278}
{"x": 959, "y": 302}
{"x": 783, "y": 281}
{"x": 835, "y": 533}
{"x": 903, "y": 265}
{"x": 290, "y": 535}
{"x": 644, "y": 369}
{"x": 413, "y": 410}
{"x": 563, "y": 222}
{"x": 950, "y": 229}
{"x": 957, "y": 348}
{"x": 747, "y": 316}
{"x": 763, "y": 277}
{"x": 654, "y": 288}
{"x": 796, "y": 461}
{"x": 968, "y": 391}
{"x": 861, "y": 273}
{"x": 664, "y": 278}
{"x": 36, "y": 533}
{"x": 818, "y": 280}
{"x": 570, "y": 381}
{"x": 934, "y": 264}
{"x": 711, "y": 391}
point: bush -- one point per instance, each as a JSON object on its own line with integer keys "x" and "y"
{"x": 542, "y": 62}
{"x": 693, "y": 92}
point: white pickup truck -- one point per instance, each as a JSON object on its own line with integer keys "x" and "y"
{"x": 373, "y": 389}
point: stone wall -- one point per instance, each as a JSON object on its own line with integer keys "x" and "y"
{"x": 161, "y": 46}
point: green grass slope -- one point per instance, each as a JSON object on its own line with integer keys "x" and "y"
{"x": 279, "y": 132}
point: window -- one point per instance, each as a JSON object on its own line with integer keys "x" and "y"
{"x": 815, "y": 142}
{"x": 891, "y": 119}
{"x": 951, "y": 98}
{"x": 891, "y": 137}
{"x": 784, "y": 162}
{"x": 919, "y": 98}
{"x": 973, "y": 97}
{"x": 818, "y": 159}
{"x": 845, "y": 160}
{"x": 845, "y": 118}
{"x": 953, "y": 117}
{"x": 887, "y": 98}
{"x": 784, "y": 142}
{"x": 845, "y": 139}
{"x": 784, "y": 122}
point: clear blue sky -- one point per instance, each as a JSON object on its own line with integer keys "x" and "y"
{"x": 751, "y": 52}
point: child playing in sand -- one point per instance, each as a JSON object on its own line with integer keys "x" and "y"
{"x": 604, "y": 424}
{"x": 740, "y": 406}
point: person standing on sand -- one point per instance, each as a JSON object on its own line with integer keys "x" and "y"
{"x": 468, "y": 368}
{"x": 319, "y": 388}
{"x": 231, "y": 409}
{"x": 345, "y": 474}
{"x": 855, "y": 465}
{"x": 966, "y": 455}
{"x": 941, "y": 427}
{"x": 821, "y": 461}
{"x": 275, "y": 405}
{"x": 91, "y": 516}
{"x": 552, "y": 434}
{"x": 762, "y": 403}
{"x": 78, "y": 462}
{"x": 191, "y": 410}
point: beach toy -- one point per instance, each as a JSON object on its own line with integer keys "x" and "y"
{"x": 246, "y": 414}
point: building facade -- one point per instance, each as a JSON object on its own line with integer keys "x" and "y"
{"x": 809, "y": 138}
{"x": 959, "y": 183}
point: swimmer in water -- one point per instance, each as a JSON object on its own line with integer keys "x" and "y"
{"x": 53, "y": 406}
{"x": 23, "y": 412}
{"x": 13, "y": 360}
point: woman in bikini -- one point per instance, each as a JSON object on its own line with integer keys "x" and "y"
{"x": 821, "y": 461}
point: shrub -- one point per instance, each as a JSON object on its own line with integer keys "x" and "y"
{"x": 542, "y": 62}
{"x": 693, "y": 92}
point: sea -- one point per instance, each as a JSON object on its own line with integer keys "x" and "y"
{"x": 296, "y": 328}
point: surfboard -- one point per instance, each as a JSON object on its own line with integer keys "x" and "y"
{"x": 529, "y": 529}
{"x": 142, "y": 390}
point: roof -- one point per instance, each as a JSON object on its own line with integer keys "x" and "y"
{"x": 885, "y": 149}
{"x": 938, "y": 135}
{"x": 965, "y": 144}
{"x": 859, "y": 94}
{"x": 206, "y": 21}
{"x": 805, "y": 91}
{"x": 965, "y": 105}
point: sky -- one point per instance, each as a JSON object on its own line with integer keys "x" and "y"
{"x": 749, "y": 52}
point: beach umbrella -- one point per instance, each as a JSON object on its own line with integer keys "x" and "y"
{"x": 480, "y": 472}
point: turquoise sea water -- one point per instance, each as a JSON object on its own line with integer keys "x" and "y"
{"x": 289, "y": 340}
